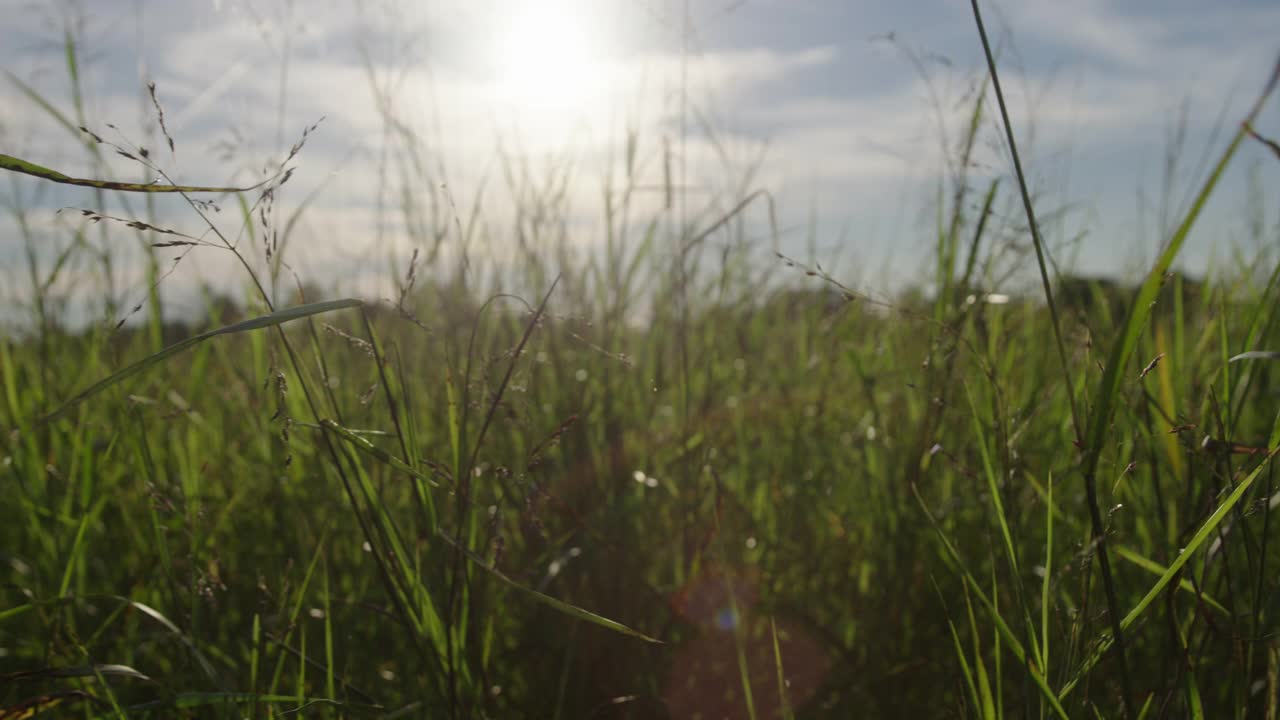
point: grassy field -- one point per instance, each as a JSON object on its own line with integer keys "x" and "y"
{"x": 650, "y": 488}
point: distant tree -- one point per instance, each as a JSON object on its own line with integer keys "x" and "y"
{"x": 1101, "y": 298}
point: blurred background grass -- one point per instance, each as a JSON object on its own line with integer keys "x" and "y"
{"x": 823, "y": 504}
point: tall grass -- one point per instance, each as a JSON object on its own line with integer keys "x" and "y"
{"x": 774, "y": 497}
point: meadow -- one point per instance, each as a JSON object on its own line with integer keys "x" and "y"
{"x": 658, "y": 480}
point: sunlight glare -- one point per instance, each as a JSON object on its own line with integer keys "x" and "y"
{"x": 550, "y": 58}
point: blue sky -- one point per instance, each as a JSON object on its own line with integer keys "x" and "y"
{"x": 836, "y": 104}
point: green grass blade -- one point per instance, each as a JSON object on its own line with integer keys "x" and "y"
{"x": 571, "y": 610}
{"x": 276, "y": 318}
{"x": 44, "y": 104}
{"x": 367, "y": 448}
{"x": 255, "y": 652}
{"x": 1184, "y": 555}
{"x": 1197, "y": 540}
{"x": 74, "y": 554}
{"x": 79, "y": 671}
{"x": 1127, "y": 553}
{"x": 1006, "y": 634}
{"x": 18, "y": 165}
{"x": 993, "y": 488}
{"x": 330, "y": 683}
{"x": 1255, "y": 355}
{"x": 986, "y": 700}
{"x": 784, "y": 703}
{"x": 1046, "y": 583}
{"x": 187, "y": 701}
{"x": 1109, "y": 390}
{"x": 1118, "y": 359}
{"x": 965, "y": 671}
{"x": 143, "y": 608}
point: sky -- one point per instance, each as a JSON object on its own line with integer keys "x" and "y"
{"x": 846, "y": 112}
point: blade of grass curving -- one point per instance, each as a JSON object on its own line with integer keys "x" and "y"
{"x": 304, "y": 659}
{"x": 168, "y": 625}
{"x": 255, "y": 653}
{"x": 455, "y": 420}
{"x": 330, "y": 679}
{"x": 724, "y": 219}
{"x": 993, "y": 487}
{"x": 560, "y": 605}
{"x": 412, "y": 710}
{"x": 74, "y": 554}
{"x": 744, "y": 667}
{"x": 404, "y": 427}
{"x": 965, "y": 671}
{"x": 1184, "y": 555}
{"x": 459, "y": 578}
{"x": 1124, "y": 552}
{"x": 271, "y": 319}
{"x": 300, "y": 682}
{"x": 44, "y": 104}
{"x": 1109, "y": 389}
{"x": 426, "y": 504}
{"x": 996, "y": 655}
{"x": 1226, "y": 414}
{"x": 986, "y": 699}
{"x": 99, "y": 632}
{"x": 1256, "y": 355}
{"x": 1011, "y": 553}
{"x": 71, "y": 57}
{"x": 381, "y": 364}
{"x": 984, "y": 215}
{"x": 388, "y": 545}
{"x": 1262, "y": 321}
{"x": 18, "y": 165}
{"x": 367, "y": 448}
{"x": 187, "y": 701}
{"x": 106, "y": 690}
{"x": 1046, "y": 580}
{"x": 147, "y": 610}
{"x": 1146, "y": 706}
{"x": 330, "y": 447}
{"x": 1127, "y": 553}
{"x": 1005, "y": 633}
{"x": 784, "y": 703}
{"x": 76, "y": 671}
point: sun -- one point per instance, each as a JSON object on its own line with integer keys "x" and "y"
{"x": 549, "y": 57}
